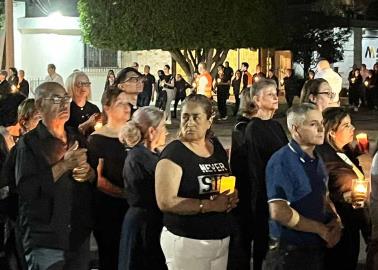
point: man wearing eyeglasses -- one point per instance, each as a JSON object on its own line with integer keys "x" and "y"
{"x": 52, "y": 177}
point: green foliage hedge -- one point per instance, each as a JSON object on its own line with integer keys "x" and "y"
{"x": 172, "y": 24}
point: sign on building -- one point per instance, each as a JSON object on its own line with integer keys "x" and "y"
{"x": 369, "y": 52}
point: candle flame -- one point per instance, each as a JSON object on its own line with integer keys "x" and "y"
{"x": 360, "y": 188}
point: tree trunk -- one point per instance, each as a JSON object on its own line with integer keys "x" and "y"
{"x": 189, "y": 61}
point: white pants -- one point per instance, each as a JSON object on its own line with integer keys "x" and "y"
{"x": 171, "y": 94}
{"x": 183, "y": 253}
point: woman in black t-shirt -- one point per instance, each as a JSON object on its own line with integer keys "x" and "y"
{"x": 83, "y": 113}
{"x": 181, "y": 85}
{"x": 222, "y": 84}
{"x": 140, "y": 246}
{"x": 188, "y": 175}
{"x": 107, "y": 154}
{"x": 263, "y": 137}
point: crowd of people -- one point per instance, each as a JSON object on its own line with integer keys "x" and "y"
{"x": 73, "y": 170}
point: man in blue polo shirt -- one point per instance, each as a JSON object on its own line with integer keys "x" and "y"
{"x": 302, "y": 222}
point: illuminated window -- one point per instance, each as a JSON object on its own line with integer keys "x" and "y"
{"x": 95, "y": 58}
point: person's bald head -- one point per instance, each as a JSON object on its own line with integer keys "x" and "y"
{"x": 323, "y": 64}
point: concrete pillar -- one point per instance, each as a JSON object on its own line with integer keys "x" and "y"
{"x": 9, "y": 38}
{"x": 357, "y": 44}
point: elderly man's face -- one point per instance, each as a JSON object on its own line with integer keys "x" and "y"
{"x": 56, "y": 105}
{"x": 311, "y": 132}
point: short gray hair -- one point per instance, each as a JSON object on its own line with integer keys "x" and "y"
{"x": 260, "y": 85}
{"x": 43, "y": 90}
{"x": 246, "y": 103}
{"x": 296, "y": 115}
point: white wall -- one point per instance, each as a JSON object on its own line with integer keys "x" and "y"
{"x": 39, "y": 50}
{"x": 18, "y": 12}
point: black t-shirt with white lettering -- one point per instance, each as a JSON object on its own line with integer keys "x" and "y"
{"x": 200, "y": 179}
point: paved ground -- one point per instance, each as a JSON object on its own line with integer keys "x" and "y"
{"x": 364, "y": 121}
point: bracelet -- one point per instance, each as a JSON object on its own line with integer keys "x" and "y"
{"x": 201, "y": 207}
{"x": 294, "y": 220}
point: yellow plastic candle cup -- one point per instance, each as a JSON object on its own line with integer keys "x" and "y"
{"x": 228, "y": 183}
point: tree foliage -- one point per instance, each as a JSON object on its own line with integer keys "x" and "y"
{"x": 192, "y": 30}
{"x": 315, "y": 35}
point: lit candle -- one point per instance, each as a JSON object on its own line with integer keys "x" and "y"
{"x": 363, "y": 142}
{"x": 353, "y": 80}
{"x": 366, "y": 83}
{"x": 359, "y": 192}
{"x": 227, "y": 183}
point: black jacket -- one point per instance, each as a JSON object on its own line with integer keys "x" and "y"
{"x": 340, "y": 180}
{"x": 51, "y": 214}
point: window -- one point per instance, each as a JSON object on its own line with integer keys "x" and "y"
{"x": 94, "y": 58}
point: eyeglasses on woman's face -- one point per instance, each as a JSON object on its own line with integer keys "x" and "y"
{"x": 331, "y": 95}
{"x": 83, "y": 84}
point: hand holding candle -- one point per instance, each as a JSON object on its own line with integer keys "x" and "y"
{"x": 359, "y": 192}
{"x": 363, "y": 142}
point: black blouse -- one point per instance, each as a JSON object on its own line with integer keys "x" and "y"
{"x": 139, "y": 177}
{"x": 79, "y": 115}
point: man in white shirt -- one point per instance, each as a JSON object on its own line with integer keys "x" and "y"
{"x": 53, "y": 76}
{"x": 334, "y": 79}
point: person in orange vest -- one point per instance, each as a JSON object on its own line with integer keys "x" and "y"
{"x": 205, "y": 80}
{"x": 246, "y": 77}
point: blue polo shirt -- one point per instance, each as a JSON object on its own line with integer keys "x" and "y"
{"x": 293, "y": 176}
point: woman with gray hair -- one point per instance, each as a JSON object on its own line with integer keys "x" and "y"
{"x": 263, "y": 137}
{"x": 140, "y": 246}
{"x": 83, "y": 114}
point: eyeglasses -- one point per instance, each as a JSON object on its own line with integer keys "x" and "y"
{"x": 331, "y": 95}
{"x": 134, "y": 80}
{"x": 59, "y": 99}
{"x": 81, "y": 84}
